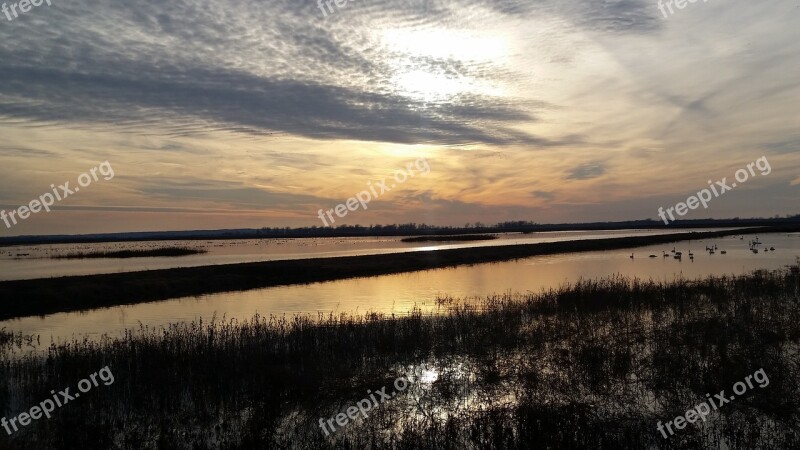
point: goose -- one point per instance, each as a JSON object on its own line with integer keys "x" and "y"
{"x": 724, "y": 252}
{"x": 631, "y": 255}
{"x": 653, "y": 256}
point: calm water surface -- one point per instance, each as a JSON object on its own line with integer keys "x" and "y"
{"x": 35, "y": 261}
{"x": 402, "y": 292}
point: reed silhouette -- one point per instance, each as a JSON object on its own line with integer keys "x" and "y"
{"x": 594, "y": 364}
{"x": 156, "y": 252}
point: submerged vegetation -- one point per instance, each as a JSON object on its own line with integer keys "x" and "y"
{"x": 590, "y": 365}
{"x": 156, "y": 252}
{"x": 19, "y": 341}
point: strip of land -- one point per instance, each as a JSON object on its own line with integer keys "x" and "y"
{"x": 457, "y": 238}
{"x": 22, "y": 298}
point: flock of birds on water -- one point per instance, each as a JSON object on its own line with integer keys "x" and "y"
{"x": 712, "y": 250}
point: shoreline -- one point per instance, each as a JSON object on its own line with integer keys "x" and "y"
{"x": 388, "y": 230}
{"x": 38, "y": 297}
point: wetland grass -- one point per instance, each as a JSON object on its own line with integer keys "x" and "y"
{"x": 590, "y": 365}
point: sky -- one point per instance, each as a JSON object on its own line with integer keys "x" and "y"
{"x": 249, "y": 114}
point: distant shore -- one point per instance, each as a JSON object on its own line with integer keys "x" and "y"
{"x": 410, "y": 229}
{"x": 22, "y": 298}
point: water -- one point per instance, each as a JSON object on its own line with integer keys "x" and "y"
{"x": 35, "y": 261}
{"x": 401, "y": 292}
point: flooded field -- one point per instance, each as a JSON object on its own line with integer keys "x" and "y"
{"x": 399, "y": 294}
{"x": 41, "y": 261}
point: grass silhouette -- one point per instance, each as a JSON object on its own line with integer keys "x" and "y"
{"x": 157, "y": 252}
{"x": 594, "y": 364}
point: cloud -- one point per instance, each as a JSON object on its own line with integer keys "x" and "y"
{"x": 256, "y": 67}
{"x": 587, "y": 171}
{"x": 544, "y": 195}
{"x": 784, "y": 146}
{"x": 252, "y": 105}
{"x": 237, "y": 101}
{"x": 98, "y": 86}
{"x": 224, "y": 193}
{"x": 14, "y": 151}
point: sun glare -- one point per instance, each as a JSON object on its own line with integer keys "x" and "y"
{"x": 428, "y": 86}
{"x": 445, "y": 44}
{"x": 427, "y": 64}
